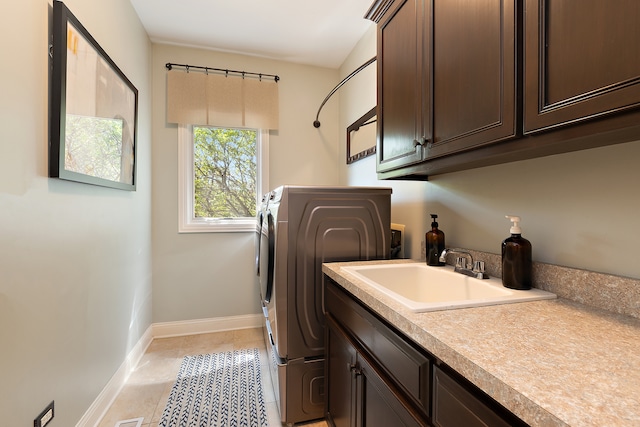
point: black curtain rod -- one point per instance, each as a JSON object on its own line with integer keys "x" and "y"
{"x": 316, "y": 122}
{"x": 226, "y": 71}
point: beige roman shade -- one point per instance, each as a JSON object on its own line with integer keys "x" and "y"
{"x": 219, "y": 100}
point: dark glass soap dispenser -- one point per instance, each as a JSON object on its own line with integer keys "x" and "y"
{"x": 434, "y": 241}
{"x": 517, "y": 264}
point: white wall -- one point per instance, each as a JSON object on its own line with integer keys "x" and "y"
{"x": 578, "y": 209}
{"x": 208, "y": 275}
{"x": 75, "y": 265}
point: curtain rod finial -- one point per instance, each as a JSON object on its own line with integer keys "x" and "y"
{"x": 346, "y": 79}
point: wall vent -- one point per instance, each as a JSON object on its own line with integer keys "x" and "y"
{"x": 135, "y": 422}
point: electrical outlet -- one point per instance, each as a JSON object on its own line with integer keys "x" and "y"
{"x": 44, "y": 417}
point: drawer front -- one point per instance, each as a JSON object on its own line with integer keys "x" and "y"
{"x": 408, "y": 368}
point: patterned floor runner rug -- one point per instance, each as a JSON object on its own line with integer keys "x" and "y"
{"x": 217, "y": 390}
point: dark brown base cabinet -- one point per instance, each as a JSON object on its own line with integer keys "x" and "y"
{"x": 376, "y": 377}
{"x": 360, "y": 396}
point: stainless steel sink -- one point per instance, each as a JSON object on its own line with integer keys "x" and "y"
{"x": 423, "y": 288}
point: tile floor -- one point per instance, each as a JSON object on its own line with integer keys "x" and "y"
{"x": 146, "y": 392}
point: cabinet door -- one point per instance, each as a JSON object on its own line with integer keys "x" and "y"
{"x": 380, "y": 406}
{"x": 340, "y": 374}
{"x": 403, "y": 89}
{"x": 357, "y": 394}
{"x": 474, "y": 74}
{"x": 394, "y": 355}
{"x": 582, "y": 60}
{"x": 455, "y": 406}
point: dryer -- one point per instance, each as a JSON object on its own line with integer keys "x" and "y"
{"x": 300, "y": 228}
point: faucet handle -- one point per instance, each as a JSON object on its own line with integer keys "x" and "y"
{"x": 478, "y": 267}
{"x": 461, "y": 262}
{"x": 479, "y": 270}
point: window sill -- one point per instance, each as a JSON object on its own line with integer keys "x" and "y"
{"x": 219, "y": 226}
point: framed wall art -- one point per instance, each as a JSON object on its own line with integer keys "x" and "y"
{"x": 94, "y": 109}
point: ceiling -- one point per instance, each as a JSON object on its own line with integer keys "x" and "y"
{"x": 313, "y": 32}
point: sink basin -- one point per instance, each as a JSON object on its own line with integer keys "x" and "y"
{"x": 423, "y": 288}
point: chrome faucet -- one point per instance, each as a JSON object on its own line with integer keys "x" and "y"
{"x": 477, "y": 269}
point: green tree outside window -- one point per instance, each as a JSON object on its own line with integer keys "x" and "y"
{"x": 225, "y": 172}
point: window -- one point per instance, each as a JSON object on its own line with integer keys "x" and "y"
{"x": 222, "y": 176}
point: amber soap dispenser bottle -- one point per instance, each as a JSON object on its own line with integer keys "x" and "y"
{"x": 434, "y": 240}
{"x": 516, "y": 258}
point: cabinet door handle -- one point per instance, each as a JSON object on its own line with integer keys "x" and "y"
{"x": 425, "y": 142}
{"x": 355, "y": 369}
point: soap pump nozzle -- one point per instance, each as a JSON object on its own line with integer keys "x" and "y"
{"x": 515, "y": 228}
{"x": 434, "y": 223}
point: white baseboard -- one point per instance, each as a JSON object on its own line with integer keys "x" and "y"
{"x": 203, "y": 326}
{"x": 108, "y": 394}
{"x": 99, "y": 407}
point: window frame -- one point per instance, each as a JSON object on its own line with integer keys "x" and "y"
{"x": 187, "y": 223}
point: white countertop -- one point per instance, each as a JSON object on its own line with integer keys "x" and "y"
{"x": 552, "y": 363}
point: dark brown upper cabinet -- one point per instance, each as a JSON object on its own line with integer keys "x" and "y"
{"x": 472, "y": 83}
{"x": 446, "y": 77}
{"x": 474, "y": 74}
{"x": 404, "y": 84}
{"x": 582, "y": 60}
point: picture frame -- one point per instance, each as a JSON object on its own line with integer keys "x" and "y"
{"x": 93, "y": 111}
{"x": 361, "y": 140}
